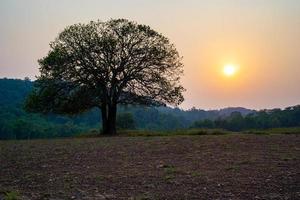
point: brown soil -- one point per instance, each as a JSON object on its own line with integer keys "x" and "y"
{"x": 181, "y": 167}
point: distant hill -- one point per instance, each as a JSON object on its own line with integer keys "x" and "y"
{"x": 14, "y": 91}
{"x": 227, "y": 111}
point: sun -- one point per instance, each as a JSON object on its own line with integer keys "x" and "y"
{"x": 229, "y": 70}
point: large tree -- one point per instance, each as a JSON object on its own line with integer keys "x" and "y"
{"x": 102, "y": 64}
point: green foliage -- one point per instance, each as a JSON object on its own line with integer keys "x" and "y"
{"x": 55, "y": 96}
{"x": 264, "y": 119}
{"x": 15, "y": 123}
{"x": 183, "y": 132}
{"x": 204, "y": 124}
{"x": 291, "y": 130}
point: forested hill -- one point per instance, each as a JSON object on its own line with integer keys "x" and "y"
{"x": 13, "y": 91}
{"x": 16, "y": 123}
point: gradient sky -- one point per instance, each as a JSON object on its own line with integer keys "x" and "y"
{"x": 262, "y": 37}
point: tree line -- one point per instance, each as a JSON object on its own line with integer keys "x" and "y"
{"x": 264, "y": 119}
{"x": 15, "y": 123}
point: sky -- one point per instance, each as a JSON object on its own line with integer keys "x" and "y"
{"x": 260, "y": 38}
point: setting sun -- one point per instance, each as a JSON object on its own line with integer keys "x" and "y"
{"x": 229, "y": 70}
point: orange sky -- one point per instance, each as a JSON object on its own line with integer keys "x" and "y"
{"x": 261, "y": 37}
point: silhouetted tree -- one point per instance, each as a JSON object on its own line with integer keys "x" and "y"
{"x": 102, "y": 64}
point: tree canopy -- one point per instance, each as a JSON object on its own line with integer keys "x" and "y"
{"x": 102, "y": 64}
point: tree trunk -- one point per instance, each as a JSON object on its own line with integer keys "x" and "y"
{"x": 109, "y": 117}
{"x": 112, "y": 118}
{"x": 104, "y": 118}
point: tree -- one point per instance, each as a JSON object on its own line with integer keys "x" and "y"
{"x": 235, "y": 121}
{"x": 102, "y": 64}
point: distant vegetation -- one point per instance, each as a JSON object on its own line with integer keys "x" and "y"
{"x": 264, "y": 119}
{"x": 15, "y": 123}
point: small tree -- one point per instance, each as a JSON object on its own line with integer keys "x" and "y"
{"x": 102, "y": 64}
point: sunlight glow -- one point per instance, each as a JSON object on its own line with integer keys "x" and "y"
{"x": 229, "y": 70}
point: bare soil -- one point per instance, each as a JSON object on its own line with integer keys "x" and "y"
{"x": 179, "y": 167}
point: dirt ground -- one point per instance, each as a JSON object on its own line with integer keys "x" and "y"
{"x": 180, "y": 167}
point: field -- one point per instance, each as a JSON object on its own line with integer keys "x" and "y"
{"x": 230, "y": 166}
